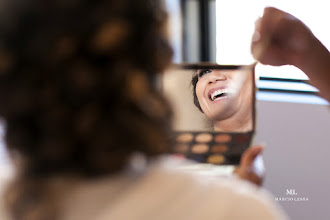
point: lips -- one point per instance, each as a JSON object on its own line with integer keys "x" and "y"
{"x": 217, "y": 93}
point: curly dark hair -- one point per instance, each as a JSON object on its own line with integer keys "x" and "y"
{"x": 76, "y": 87}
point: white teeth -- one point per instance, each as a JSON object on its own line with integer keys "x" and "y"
{"x": 218, "y": 92}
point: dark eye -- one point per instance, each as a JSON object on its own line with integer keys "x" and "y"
{"x": 203, "y": 72}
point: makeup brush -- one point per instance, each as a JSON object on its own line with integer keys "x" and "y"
{"x": 261, "y": 43}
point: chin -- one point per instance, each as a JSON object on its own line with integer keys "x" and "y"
{"x": 220, "y": 116}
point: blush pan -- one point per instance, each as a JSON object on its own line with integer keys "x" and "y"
{"x": 219, "y": 148}
{"x": 241, "y": 138}
{"x": 222, "y": 138}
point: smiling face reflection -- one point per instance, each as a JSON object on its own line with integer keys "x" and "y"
{"x": 225, "y": 97}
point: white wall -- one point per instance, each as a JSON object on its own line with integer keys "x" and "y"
{"x": 297, "y": 155}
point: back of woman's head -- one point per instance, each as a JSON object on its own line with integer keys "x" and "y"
{"x": 76, "y": 83}
{"x": 76, "y": 89}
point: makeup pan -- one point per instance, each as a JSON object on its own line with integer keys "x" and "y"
{"x": 219, "y": 148}
{"x": 241, "y": 138}
{"x": 185, "y": 138}
{"x": 199, "y": 148}
{"x": 222, "y": 138}
{"x": 212, "y": 147}
{"x": 216, "y": 159}
{"x": 204, "y": 138}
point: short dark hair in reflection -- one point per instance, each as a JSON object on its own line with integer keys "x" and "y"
{"x": 194, "y": 81}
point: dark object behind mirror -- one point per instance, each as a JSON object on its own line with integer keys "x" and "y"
{"x": 192, "y": 30}
{"x": 214, "y": 108}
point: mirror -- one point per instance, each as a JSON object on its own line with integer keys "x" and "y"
{"x": 214, "y": 113}
{"x": 214, "y": 110}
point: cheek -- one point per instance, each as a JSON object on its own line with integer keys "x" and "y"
{"x": 232, "y": 76}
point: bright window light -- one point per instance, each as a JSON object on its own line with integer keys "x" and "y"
{"x": 235, "y": 25}
{"x": 175, "y": 28}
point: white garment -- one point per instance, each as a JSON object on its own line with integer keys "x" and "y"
{"x": 163, "y": 192}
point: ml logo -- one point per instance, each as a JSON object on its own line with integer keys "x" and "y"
{"x": 291, "y": 196}
{"x": 291, "y": 192}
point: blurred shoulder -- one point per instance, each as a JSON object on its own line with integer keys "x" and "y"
{"x": 220, "y": 197}
{"x": 4, "y": 181}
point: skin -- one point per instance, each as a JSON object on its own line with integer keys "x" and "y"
{"x": 233, "y": 113}
{"x": 250, "y": 170}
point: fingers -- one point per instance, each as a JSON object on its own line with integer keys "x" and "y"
{"x": 249, "y": 155}
{"x": 256, "y": 35}
{"x": 271, "y": 39}
{"x": 257, "y": 47}
{"x": 251, "y": 166}
{"x": 260, "y": 39}
{"x": 265, "y": 30}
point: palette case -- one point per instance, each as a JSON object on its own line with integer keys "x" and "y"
{"x": 211, "y": 147}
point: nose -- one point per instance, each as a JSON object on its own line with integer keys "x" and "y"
{"x": 217, "y": 75}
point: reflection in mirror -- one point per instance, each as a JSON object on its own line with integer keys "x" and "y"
{"x": 225, "y": 97}
{"x": 213, "y": 111}
{"x": 212, "y": 99}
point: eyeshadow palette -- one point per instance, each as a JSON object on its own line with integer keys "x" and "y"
{"x": 212, "y": 147}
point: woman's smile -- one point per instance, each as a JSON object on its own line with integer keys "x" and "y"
{"x": 225, "y": 97}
